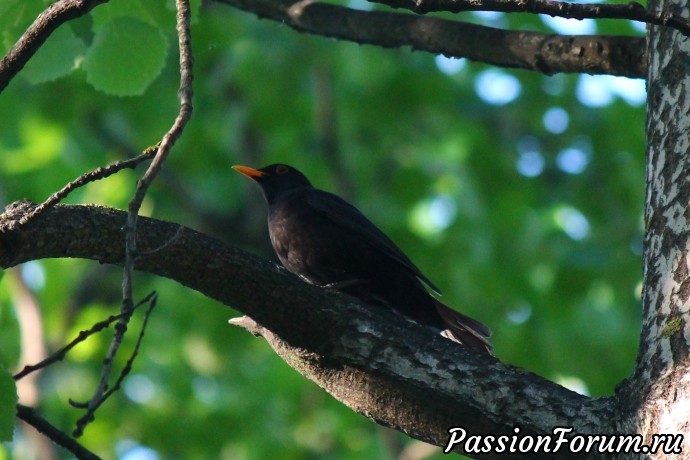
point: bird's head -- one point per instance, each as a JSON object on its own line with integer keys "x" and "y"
{"x": 275, "y": 180}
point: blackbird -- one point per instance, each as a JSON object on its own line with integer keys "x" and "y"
{"x": 328, "y": 242}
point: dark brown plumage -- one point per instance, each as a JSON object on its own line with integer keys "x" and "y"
{"x": 328, "y": 242}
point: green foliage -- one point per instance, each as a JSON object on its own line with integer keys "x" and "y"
{"x": 16, "y": 16}
{"x": 8, "y": 401}
{"x": 118, "y": 63}
{"x": 59, "y": 56}
{"x": 419, "y": 151}
{"x": 122, "y": 51}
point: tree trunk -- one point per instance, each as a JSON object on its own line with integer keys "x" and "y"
{"x": 656, "y": 400}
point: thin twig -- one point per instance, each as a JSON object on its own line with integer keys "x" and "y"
{"x": 128, "y": 365}
{"x": 89, "y": 416}
{"x": 130, "y": 229}
{"x": 38, "y": 32}
{"x": 59, "y": 437}
{"x": 632, "y": 11}
{"x": 167, "y": 243}
{"x": 60, "y": 354}
{"x": 91, "y": 176}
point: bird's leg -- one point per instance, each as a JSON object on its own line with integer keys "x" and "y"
{"x": 362, "y": 289}
{"x": 340, "y": 285}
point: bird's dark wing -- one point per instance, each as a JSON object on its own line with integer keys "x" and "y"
{"x": 351, "y": 219}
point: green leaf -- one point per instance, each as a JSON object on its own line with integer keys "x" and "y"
{"x": 126, "y": 56}
{"x": 15, "y": 17}
{"x": 8, "y": 403}
{"x": 133, "y": 9}
{"x": 56, "y": 58}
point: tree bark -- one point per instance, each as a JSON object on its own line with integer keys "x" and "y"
{"x": 659, "y": 388}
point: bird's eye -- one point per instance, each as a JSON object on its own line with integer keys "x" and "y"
{"x": 282, "y": 169}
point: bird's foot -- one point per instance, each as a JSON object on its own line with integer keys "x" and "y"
{"x": 341, "y": 285}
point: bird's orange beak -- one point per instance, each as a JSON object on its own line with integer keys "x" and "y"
{"x": 249, "y": 172}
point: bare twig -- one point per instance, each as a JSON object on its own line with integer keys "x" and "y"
{"x": 91, "y": 176}
{"x": 172, "y": 240}
{"x": 631, "y": 11}
{"x": 169, "y": 139}
{"x": 32, "y": 417}
{"x": 60, "y": 354}
{"x": 91, "y": 408}
{"x": 128, "y": 365}
{"x": 546, "y": 53}
{"x": 45, "y": 24}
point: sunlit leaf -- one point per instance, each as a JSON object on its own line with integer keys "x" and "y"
{"x": 59, "y": 55}
{"x": 126, "y": 56}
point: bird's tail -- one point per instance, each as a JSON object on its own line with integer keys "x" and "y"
{"x": 463, "y": 329}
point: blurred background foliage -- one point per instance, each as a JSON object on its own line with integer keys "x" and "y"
{"x": 520, "y": 195}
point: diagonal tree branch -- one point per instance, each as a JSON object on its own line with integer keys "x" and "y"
{"x": 386, "y": 368}
{"x": 45, "y": 24}
{"x": 31, "y": 417}
{"x": 545, "y": 53}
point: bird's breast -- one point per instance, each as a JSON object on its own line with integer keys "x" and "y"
{"x": 307, "y": 244}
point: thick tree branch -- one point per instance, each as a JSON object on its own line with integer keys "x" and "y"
{"x": 381, "y": 365}
{"x": 45, "y": 24}
{"x": 549, "y": 54}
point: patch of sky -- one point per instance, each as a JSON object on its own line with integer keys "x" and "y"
{"x": 572, "y": 222}
{"x": 496, "y": 87}
{"x": 575, "y": 158}
{"x": 530, "y": 161}
{"x": 556, "y": 120}
{"x": 600, "y": 90}
{"x": 449, "y": 65}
